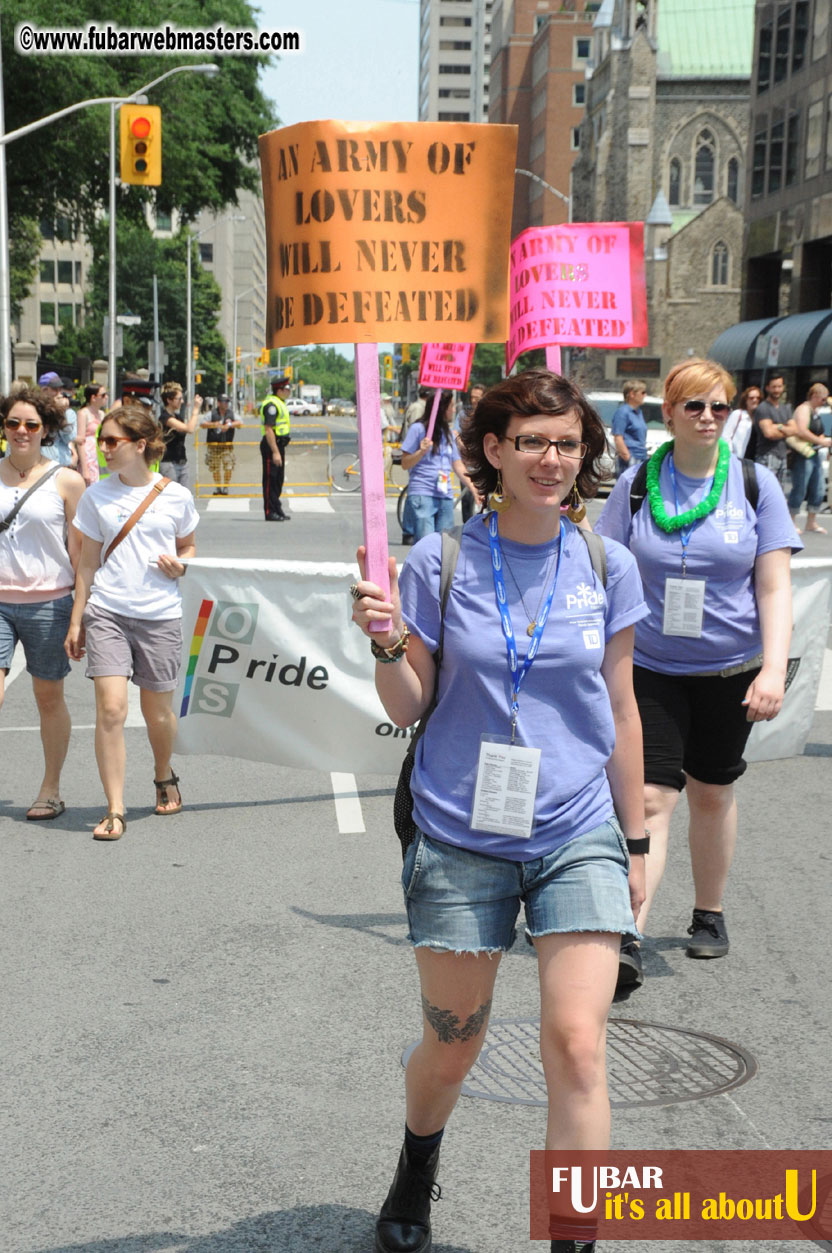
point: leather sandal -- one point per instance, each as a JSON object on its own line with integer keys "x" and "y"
{"x": 163, "y": 785}
{"x": 53, "y": 809}
{"x": 110, "y": 832}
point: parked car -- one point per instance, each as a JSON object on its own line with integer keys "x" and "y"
{"x": 346, "y": 408}
{"x": 605, "y": 405}
{"x": 299, "y": 408}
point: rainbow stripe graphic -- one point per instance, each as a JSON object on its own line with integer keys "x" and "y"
{"x": 196, "y": 644}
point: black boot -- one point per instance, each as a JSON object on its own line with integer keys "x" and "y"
{"x": 404, "y": 1222}
{"x": 569, "y": 1246}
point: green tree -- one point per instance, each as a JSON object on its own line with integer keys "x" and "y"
{"x": 24, "y": 247}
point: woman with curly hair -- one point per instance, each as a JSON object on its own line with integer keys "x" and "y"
{"x": 540, "y": 802}
{"x": 38, "y": 553}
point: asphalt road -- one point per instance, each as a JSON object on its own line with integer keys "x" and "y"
{"x": 203, "y": 1023}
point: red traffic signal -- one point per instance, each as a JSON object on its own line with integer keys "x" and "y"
{"x": 141, "y": 144}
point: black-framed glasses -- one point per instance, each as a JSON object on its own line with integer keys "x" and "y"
{"x": 719, "y": 409}
{"x": 31, "y": 425}
{"x": 539, "y": 445}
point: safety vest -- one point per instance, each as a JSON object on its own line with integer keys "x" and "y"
{"x": 281, "y": 422}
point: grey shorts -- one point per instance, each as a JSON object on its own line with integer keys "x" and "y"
{"x": 149, "y": 651}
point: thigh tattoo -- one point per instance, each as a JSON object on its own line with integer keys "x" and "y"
{"x": 447, "y": 1025}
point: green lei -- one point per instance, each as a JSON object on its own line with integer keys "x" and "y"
{"x": 654, "y": 492}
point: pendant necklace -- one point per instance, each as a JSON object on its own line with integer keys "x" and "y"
{"x": 530, "y": 629}
{"x": 22, "y": 473}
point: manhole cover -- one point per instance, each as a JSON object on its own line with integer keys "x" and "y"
{"x": 647, "y": 1064}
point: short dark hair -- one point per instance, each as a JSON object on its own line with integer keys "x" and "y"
{"x": 50, "y": 415}
{"x": 91, "y": 390}
{"x": 523, "y": 396}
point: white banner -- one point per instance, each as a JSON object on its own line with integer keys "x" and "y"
{"x": 275, "y": 671}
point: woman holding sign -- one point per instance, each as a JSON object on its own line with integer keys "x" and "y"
{"x": 537, "y": 637}
{"x": 429, "y": 457}
{"x": 713, "y": 539}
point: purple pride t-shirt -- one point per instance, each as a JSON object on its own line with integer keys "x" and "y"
{"x": 722, "y": 550}
{"x": 564, "y": 705}
{"x": 424, "y": 476}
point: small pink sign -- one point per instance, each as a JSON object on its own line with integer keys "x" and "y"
{"x": 581, "y": 283}
{"x": 446, "y": 365}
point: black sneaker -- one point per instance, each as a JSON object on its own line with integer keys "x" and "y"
{"x": 570, "y": 1246}
{"x": 630, "y": 967}
{"x": 708, "y": 936}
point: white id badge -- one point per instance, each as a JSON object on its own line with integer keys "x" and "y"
{"x": 443, "y": 482}
{"x": 505, "y": 789}
{"x": 684, "y": 607}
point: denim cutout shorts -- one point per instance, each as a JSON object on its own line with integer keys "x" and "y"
{"x": 41, "y": 629}
{"x": 468, "y": 903}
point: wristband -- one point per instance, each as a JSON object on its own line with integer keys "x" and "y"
{"x": 639, "y": 846}
{"x": 396, "y": 651}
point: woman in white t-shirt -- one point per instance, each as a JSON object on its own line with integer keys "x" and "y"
{"x": 128, "y": 608}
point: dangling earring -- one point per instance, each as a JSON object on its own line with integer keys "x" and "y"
{"x": 498, "y": 500}
{"x": 576, "y": 511}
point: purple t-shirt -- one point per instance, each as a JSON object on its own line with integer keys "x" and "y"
{"x": 424, "y": 477}
{"x": 722, "y": 550}
{"x": 564, "y": 705}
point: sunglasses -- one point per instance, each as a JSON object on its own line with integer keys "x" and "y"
{"x": 539, "y": 445}
{"x": 112, "y": 441}
{"x": 719, "y": 409}
{"x": 11, "y": 424}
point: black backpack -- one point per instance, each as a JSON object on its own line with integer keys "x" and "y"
{"x": 638, "y": 487}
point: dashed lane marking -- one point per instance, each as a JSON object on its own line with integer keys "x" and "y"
{"x": 347, "y": 804}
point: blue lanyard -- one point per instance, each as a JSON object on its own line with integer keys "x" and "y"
{"x": 518, "y": 670}
{"x": 685, "y": 532}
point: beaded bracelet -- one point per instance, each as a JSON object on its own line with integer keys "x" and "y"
{"x": 396, "y": 651}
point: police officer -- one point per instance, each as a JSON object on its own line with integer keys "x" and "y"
{"x": 274, "y": 424}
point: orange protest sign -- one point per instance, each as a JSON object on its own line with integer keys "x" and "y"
{"x": 387, "y": 231}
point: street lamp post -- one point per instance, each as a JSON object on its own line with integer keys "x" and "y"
{"x": 567, "y": 200}
{"x": 189, "y": 348}
{"x": 5, "y": 138}
{"x": 240, "y": 296}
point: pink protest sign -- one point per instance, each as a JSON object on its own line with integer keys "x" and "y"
{"x": 371, "y": 457}
{"x": 581, "y": 284}
{"x": 446, "y": 365}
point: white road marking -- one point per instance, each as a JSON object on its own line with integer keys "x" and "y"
{"x": 347, "y": 804}
{"x": 228, "y": 504}
{"x": 310, "y": 504}
{"x": 824, "y": 696}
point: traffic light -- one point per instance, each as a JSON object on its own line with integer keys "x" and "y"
{"x": 141, "y": 144}
{"x": 239, "y": 353}
{"x": 405, "y": 354}
{"x": 229, "y": 379}
{"x": 196, "y": 352}
{"x": 287, "y": 372}
{"x": 197, "y": 378}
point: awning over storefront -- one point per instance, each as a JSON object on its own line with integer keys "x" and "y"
{"x": 802, "y": 340}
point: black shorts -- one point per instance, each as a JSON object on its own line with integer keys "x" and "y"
{"x": 693, "y": 724}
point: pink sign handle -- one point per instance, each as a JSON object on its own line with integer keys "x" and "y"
{"x": 371, "y": 458}
{"x": 553, "y": 358}
{"x": 437, "y": 396}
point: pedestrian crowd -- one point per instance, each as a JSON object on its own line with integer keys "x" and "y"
{"x": 601, "y": 673}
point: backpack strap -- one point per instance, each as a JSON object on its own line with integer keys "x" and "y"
{"x": 450, "y": 556}
{"x": 597, "y": 554}
{"x": 638, "y": 488}
{"x": 750, "y": 482}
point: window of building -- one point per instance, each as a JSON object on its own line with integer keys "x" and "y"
{"x": 64, "y": 229}
{"x": 703, "y": 174}
{"x": 575, "y": 141}
{"x": 538, "y": 145}
{"x": 77, "y": 273}
{"x": 583, "y": 48}
{"x": 47, "y": 313}
{"x": 454, "y": 117}
{"x": 65, "y": 314}
{"x": 538, "y": 101}
{"x": 792, "y": 148}
{"x": 65, "y": 272}
{"x": 764, "y": 58}
{"x": 206, "y": 253}
{"x": 820, "y": 29}
{"x": 454, "y": 21}
{"x": 814, "y": 136}
{"x": 47, "y": 229}
{"x": 801, "y": 34}
{"x": 579, "y": 93}
{"x": 781, "y": 48}
{"x": 775, "y": 157}
{"x": 674, "y": 195}
{"x": 541, "y": 20}
{"x": 454, "y": 93}
{"x": 719, "y": 265}
{"x": 454, "y": 69}
{"x": 164, "y": 221}
{"x": 758, "y": 168}
{"x": 732, "y": 184}
{"x": 829, "y": 133}
{"x": 47, "y": 272}
{"x": 454, "y": 45}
